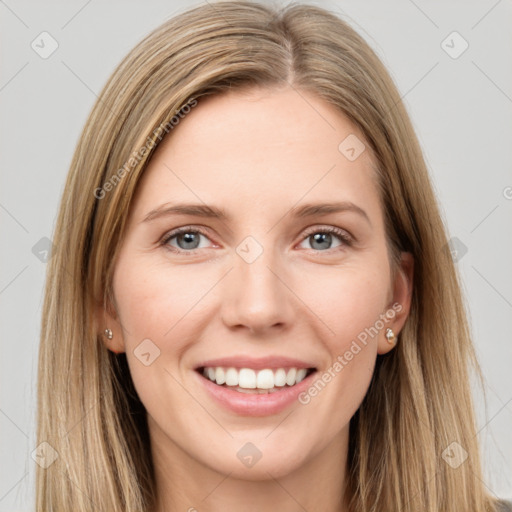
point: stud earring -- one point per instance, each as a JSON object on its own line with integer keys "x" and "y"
{"x": 390, "y": 336}
{"x": 108, "y": 334}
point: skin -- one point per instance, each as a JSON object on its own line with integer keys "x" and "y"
{"x": 257, "y": 154}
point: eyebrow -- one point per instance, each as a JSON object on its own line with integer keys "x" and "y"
{"x": 206, "y": 211}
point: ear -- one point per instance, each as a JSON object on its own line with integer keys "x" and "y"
{"x": 401, "y": 301}
{"x": 106, "y": 318}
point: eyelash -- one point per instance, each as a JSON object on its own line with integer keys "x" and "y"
{"x": 344, "y": 237}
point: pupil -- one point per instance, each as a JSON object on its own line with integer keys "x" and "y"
{"x": 190, "y": 243}
{"x": 321, "y": 238}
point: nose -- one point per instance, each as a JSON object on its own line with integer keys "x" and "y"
{"x": 257, "y": 296}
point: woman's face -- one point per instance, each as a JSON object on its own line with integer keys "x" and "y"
{"x": 257, "y": 289}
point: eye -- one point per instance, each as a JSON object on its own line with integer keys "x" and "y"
{"x": 186, "y": 238}
{"x": 322, "y": 238}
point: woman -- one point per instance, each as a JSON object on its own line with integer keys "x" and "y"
{"x": 251, "y": 306}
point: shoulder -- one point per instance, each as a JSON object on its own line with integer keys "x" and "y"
{"x": 504, "y": 506}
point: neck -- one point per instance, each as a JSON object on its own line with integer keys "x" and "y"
{"x": 184, "y": 483}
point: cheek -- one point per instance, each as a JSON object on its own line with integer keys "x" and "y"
{"x": 348, "y": 299}
{"x": 160, "y": 310}
{"x": 153, "y": 301}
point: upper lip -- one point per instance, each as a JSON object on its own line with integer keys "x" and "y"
{"x": 258, "y": 363}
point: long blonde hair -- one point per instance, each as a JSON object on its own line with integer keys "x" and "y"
{"x": 419, "y": 400}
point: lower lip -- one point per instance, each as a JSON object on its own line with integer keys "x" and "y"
{"x": 255, "y": 404}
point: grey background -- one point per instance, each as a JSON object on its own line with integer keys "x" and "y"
{"x": 461, "y": 108}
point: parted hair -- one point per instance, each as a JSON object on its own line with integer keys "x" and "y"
{"x": 419, "y": 401}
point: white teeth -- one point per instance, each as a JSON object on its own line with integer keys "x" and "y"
{"x": 300, "y": 375}
{"x": 231, "y": 377}
{"x": 290, "y": 376}
{"x": 220, "y": 376}
{"x": 280, "y": 378}
{"x": 249, "y": 379}
{"x": 265, "y": 379}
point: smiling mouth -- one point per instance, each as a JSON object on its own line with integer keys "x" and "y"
{"x": 247, "y": 380}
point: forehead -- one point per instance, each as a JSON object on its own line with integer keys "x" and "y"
{"x": 261, "y": 147}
